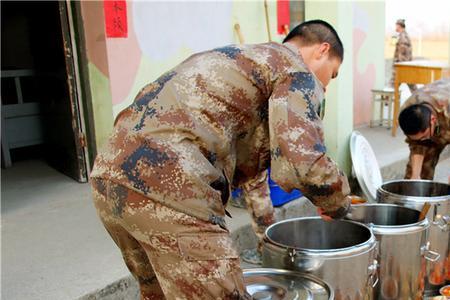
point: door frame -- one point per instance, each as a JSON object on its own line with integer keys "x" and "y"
{"x": 74, "y": 79}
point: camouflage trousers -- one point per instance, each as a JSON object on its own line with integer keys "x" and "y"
{"x": 430, "y": 160}
{"x": 172, "y": 255}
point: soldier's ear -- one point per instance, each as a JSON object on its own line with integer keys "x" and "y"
{"x": 433, "y": 119}
{"x": 322, "y": 50}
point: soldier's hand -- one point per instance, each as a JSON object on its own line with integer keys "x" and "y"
{"x": 322, "y": 214}
{"x": 337, "y": 214}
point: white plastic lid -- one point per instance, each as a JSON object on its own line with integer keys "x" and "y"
{"x": 365, "y": 166}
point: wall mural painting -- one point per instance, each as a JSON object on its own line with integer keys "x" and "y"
{"x": 364, "y": 71}
{"x": 124, "y": 57}
{"x": 162, "y": 28}
{"x": 158, "y": 30}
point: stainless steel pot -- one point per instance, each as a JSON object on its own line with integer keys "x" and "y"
{"x": 413, "y": 194}
{"x": 402, "y": 248}
{"x": 340, "y": 252}
{"x": 277, "y": 284}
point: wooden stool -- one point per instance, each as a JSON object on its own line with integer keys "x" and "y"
{"x": 383, "y": 97}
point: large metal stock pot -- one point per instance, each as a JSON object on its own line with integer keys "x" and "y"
{"x": 340, "y": 252}
{"x": 402, "y": 248}
{"x": 413, "y": 194}
{"x": 277, "y": 284}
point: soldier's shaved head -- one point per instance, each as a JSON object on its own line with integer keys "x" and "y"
{"x": 317, "y": 32}
{"x": 414, "y": 119}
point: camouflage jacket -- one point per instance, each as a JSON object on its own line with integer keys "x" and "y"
{"x": 217, "y": 120}
{"x": 437, "y": 95}
{"x": 403, "y": 48}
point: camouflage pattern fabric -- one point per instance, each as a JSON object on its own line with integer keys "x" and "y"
{"x": 172, "y": 255}
{"x": 403, "y": 48}
{"x": 191, "y": 135}
{"x": 212, "y": 123}
{"x": 403, "y": 52}
{"x": 437, "y": 96}
{"x": 431, "y": 158}
{"x": 259, "y": 205}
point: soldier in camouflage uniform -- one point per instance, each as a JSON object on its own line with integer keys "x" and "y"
{"x": 403, "y": 50}
{"x": 214, "y": 122}
{"x": 425, "y": 120}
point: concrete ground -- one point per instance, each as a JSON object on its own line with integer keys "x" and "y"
{"x": 54, "y": 247}
{"x": 387, "y": 149}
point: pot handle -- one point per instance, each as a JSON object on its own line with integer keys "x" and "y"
{"x": 443, "y": 223}
{"x": 373, "y": 274}
{"x": 429, "y": 254}
{"x": 291, "y": 253}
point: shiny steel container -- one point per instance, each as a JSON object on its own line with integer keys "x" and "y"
{"x": 413, "y": 194}
{"x": 402, "y": 248}
{"x": 340, "y": 252}
{"x": 277, "y": 284}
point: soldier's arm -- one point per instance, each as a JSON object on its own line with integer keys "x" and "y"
{"x": 298, "y": 154}
{"x": 257, "y": 197}
{"x": 416, "y": 165}
{"x": 416, "y": 156}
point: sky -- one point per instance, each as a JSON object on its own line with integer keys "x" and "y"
{"x": 423, "y": 17}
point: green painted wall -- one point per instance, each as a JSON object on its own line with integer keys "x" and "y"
{"x": 338, "y": 121}
{"x": 251, "y": 17}
{"x": 101, "y": 104}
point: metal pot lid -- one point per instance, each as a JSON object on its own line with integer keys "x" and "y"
{"x": 365, "y": 166}
{"x": 277, "y": 284}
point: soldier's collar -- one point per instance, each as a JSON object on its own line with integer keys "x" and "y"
{"x": 437, "y": 129}
{"x": 296, "y": 51}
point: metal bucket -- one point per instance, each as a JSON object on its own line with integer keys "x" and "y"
{"x": 340, "y": 252}
{"x": 277, "y": 284}
{"x": 413, "y": 194}
{"x": 402, "y": 248}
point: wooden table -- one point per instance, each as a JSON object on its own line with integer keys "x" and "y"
{"x": 416, "y": 72}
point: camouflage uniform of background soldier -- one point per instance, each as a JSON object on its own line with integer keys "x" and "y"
{"x": 403, "y": 50}
{"x": 217, "y": 120}
{"x": 436, "y": 96}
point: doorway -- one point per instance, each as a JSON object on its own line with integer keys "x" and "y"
{"x": 42, "y": 116}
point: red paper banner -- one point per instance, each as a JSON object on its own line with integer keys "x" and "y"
{"x": 115, "y": 18}
{"x": 283, "y": 16}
